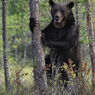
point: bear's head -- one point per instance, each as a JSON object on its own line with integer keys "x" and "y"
{"x": 61, "y": 13}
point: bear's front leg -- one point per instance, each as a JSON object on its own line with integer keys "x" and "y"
{"x": 49, "y": 68}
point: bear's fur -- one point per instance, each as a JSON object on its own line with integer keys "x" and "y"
{"x": 62, "y": 37}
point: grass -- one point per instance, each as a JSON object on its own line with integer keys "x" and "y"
{"x": 22, "y": 83}
{"x": 19, "y": 77}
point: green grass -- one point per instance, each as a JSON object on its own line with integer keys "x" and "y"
{"x": 16, "y": 74}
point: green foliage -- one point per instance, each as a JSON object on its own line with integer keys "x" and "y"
{"x": 92, "y": 1}
{"x": 17, "y": 7}
{"x": 20, "y": 78}
{"x": 82, "y": 1}
{"x": 82, "y": 40}
{"x": 43, "y": 5}
{"x": 19, "y": 36}
{"x": 4, "y": 92}
{"x": 90, "y": 40}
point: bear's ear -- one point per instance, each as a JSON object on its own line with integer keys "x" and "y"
{"x": 51, "y": 2}
{"x": 70, "y": 5}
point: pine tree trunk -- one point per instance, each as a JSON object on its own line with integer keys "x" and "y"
{"x": 33, "y": 53}
{"x": 91, "y": 36}
{"x": 6, "y": 70}
{"x": 78, "y": 25}
{"x": 76, "y": 10}
{"x": 40, "y": 76}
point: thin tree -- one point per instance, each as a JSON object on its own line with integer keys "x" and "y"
{"x": 6, "y": 68}
{"x": 77, "y": 17}
{"x": 91, "y": 35}
{"x": 33, "y": 51}
{"x": 78, "y": 26}
{"x": 40, "y": 76}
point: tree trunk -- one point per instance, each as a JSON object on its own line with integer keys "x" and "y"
{"x": 81, "y": 73}
{"x": 16, "y": 50}
{"x": 33, "y": 53}
{"x": 40, "y": 77}
{"x": 76, "y": 10}
{"x": 91, "y": 36}
{"x": 6, "y": 70}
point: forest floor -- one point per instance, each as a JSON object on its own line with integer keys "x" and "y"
{"x": 19, "y": 77}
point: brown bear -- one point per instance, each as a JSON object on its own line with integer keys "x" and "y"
{"x": 62, "y": 37}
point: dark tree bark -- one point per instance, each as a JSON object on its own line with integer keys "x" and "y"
{"x": 91, "y": 36}
{"x": 6, "y": 70}
{"x": 76, "y": 10}
{"x": 40, "y": 76}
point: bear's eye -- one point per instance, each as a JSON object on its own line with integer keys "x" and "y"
{"x": 55, "y": 11}
{"x": 62, "y": 11}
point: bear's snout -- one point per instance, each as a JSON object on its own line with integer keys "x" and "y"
{"x": 56, "y": 17}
